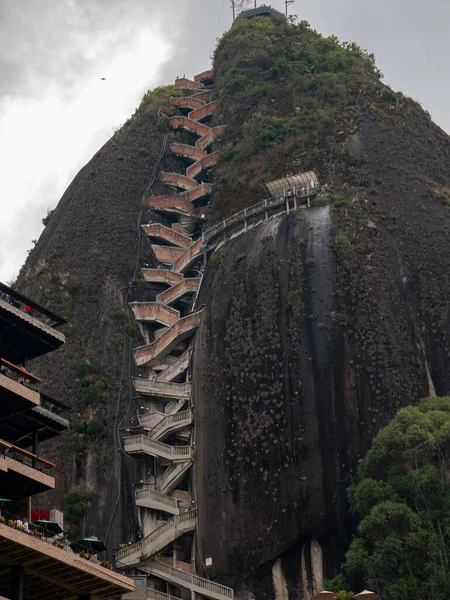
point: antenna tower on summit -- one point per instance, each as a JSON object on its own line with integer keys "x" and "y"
{"x": 239, "y": 5}
{"x": 287, "y": 2}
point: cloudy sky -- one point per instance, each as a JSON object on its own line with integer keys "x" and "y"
{"x": 56, "y": 111}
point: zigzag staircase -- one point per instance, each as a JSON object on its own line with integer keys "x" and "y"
{"x": 169, "y": 324}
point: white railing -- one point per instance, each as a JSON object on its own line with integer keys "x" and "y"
{"x": 165, "y": 388}
{"x": 157, "y": 497}
{"x": 155, "y": 595}
{"x": 177, "y": 367}
{"x": 181, "y": 419}
{"x": 172, "y": 475}
{"x": 203, "y": 586}
{"x": 141, "y": 443}
{"x": 173, "y": 406}
{"x": 188, "y": 519}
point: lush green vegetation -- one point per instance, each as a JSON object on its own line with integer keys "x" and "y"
{"x": 402, "y": 503}
{"x": 91, "y": 394}
{"x": 159, "y": 99}
{"x": 76, "y": 505}
{"x": 281, "y": 88}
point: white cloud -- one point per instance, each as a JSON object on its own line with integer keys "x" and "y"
{"x": 44, "y": 140}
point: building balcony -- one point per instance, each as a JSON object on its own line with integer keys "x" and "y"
{"x": 22, "y": 473}
{"x": 51, "y": 572}
{"x": 18, "y": 389}
{"x": 27, "y": 329}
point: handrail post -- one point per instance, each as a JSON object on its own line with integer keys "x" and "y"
{"x": 266, "y": 214}
{"x": 295, "y": 198}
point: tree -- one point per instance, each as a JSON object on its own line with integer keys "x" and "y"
{"x": 402, "y": 502}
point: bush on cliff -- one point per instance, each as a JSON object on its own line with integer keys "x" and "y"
{"x": 281, "y": 88}
{"x": 402, "y": 501}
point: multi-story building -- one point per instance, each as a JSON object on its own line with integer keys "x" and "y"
{"x": 36, "y": 564}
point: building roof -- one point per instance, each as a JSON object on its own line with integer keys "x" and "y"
{"x": 259, "y": 11}
{"x": 51, "y": 572}
{"x": 301, "y": 180}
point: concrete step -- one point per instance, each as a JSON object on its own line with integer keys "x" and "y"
{"x": 189, "y": 285}
{"x": 202, "y": 190}
{"x": 190, "y": 102}
{"x": 200, "y": 165}
{"x": 189, "y": 256}
{"x": 156, "y": 595}
{"x": 143, "y": 444}
{"x": 151, "y": 312}
{"x": 179, "y": 366}
{"x": 203, "y": 111}
{"x": 189, "y": 125}
{"x": 204, "y": 76}
{"x": 184, "y": 82}
{"x": 162, "y": 389}
{"x": 174, "y": 406}
{"x": 147, "y": 498}
{"x": 151, "y": 354}
{"x": 209, "y": 137}
{"x": 167, "y": 234}
{"x": 202, "y": 586}
{"x": 168, "y": 425}
{"x": 189, "y": 152}
{"x": 173, "y": 475}
{"x": 167, "y": 254}
{"x": 178, "y": 180}
{"x": 158, "y": 539}
{"x": 175, "y": 205}
{"x": 161, "y": 276}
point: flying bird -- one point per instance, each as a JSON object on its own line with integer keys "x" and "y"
{"x": 103, "y": 78}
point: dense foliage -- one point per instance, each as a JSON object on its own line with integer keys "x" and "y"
{"x": 281, "y": 87}
{"x": 402, "y": 502}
